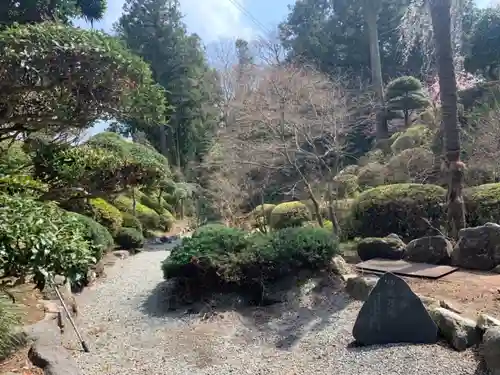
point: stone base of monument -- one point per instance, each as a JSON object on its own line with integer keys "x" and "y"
{"x": 394, "y": 314}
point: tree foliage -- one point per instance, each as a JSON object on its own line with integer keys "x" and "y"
{"x": 106, "y": 164}
{"x": 36, "y": 11}
{"x": 154, "y": 30}
{"x": 406, "y": 94}
{"x": 55, "y": 77}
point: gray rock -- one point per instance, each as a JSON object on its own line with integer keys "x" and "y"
{"x": 432, "y": 250}
{"x": 460, "y": 332}
{"x": 54, "y": 360}
{"x": 478, "y": 247}
{"x": 484, "y": 322}
{"x": 339, "y": 266}
{"x": 386, "y": 248}
{"x": 490, "y": 350}
{"x": 360, "y": 287}
{"x": 394, "y": 236}
{"x": 393, "y": 314}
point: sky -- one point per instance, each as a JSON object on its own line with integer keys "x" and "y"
{"x": 213, "y": 20}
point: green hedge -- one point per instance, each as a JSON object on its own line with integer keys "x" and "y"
{"x": 345, "y": 185}
{"x": 402, "y": 209}
{"x": 106, "y": 214}
{"x": 60, "y": 238}
{"x": 129, "y": 239}
{"x": 289, "y": 214}
{"x": 96, "y": 234}
{"x": 482, "y": 204}
{"x": 231, "y": 259}
{"x": 130, "y": 221}
{"x": 148, "y": 217}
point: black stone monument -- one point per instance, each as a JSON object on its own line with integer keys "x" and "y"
{"x": 393, "y": 314}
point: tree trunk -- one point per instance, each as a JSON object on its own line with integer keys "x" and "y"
{"x": 371, "y": 10}
{"x": 134, "y": 202}
{"x": 441, "y": 25}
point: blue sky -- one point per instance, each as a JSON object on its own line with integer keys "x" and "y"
{"x": 216, "y": 19}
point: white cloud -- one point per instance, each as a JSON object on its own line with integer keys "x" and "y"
{"x": 210, "y": 19}
{"x": 214, "y": 19}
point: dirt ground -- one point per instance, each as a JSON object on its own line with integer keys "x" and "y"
{"x": 469, "y": 291}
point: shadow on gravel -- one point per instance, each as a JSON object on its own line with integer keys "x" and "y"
{"x": 283, "y": 324}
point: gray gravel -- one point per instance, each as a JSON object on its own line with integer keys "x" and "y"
{"x": 129, "y": 333}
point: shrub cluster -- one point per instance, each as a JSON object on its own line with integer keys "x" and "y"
{"x": 129, "y": 239}
{"x": 38, "y": 238}
{"x": 221, "y": 259}
{"x": 482, "y": 204}
{"x": 96, "y": 234}
{"x": 410, "y": 210}
{"x": 289, "y": 214}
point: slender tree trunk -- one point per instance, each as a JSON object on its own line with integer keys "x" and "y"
{"x": 441, "y": 25}
{"x": 162, "y": 133}
{"x": 134, "y": 202}
{"x": 371, "y": 10}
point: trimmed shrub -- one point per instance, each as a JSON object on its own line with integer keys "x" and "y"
{"x": 129, "y": 239}
{"x": 263, "y": 210}
{"x": 414, "y": 136}
{"x": 22, "y": 184}
{"x": 96, "y": 234}
{"x": 411, "y": 165}
{"x": 26, "y": 225}
{"x": 167, "y": 221}
{"x": 228, "y": 259}
{"x": 289, "y": 214}
{"x": 482, "y": 204}
{"x": 477, "y": 175}
{"x": 106, "y": 214}
{"x": 409, "y": 210}
{"x": 9, "y": 320}
{"x": 372, "y": 175}
{"x": 212, "y": 227}
{"x": 130, "y": 221}
{"x": 350, "y": 169}
{"x": 148, "y": 217}
{"x": 345, "y": 185}
{"x": 152, "y": 203}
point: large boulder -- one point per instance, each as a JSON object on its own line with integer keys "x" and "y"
{"x": 460, "y": 332}
{"x": 339, "y": 266}
{"x": 360, "y": 287}
{"x": 478, "y": 248}
{"x": 385, "y": 248}
{"x": 490, "y": 350}
{"x": 432, "y": 250}
{"x": 394, "y": 314}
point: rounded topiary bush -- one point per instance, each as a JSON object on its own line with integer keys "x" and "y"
{"x": 477, "y": 175}
{"x": 482, "y": 204}
{"x": 414, "y": 136}
{"x": 345, "y": 185}
{"x": 106, "y": 214}
{"x": 289, "y": 214}
{"x": 96, "y": 234}
{"x": 371, "y": 175}
{"x": 129, "y": 239}
{"x": 409, "y": 210}
{"x": 148, "y": 217}
{"x": 167, "y": 221}
{"x": 263, "y": 210}
{"x": 210, "y": 227}
{"x": 350, "y": 169}
{"x": 411, "y": 165}
{"x": 130, "y": 221}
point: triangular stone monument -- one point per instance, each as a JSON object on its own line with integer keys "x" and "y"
{"x": 394, "y": 314}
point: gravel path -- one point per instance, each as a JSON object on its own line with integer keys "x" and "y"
{"x": 122, "y": 319}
